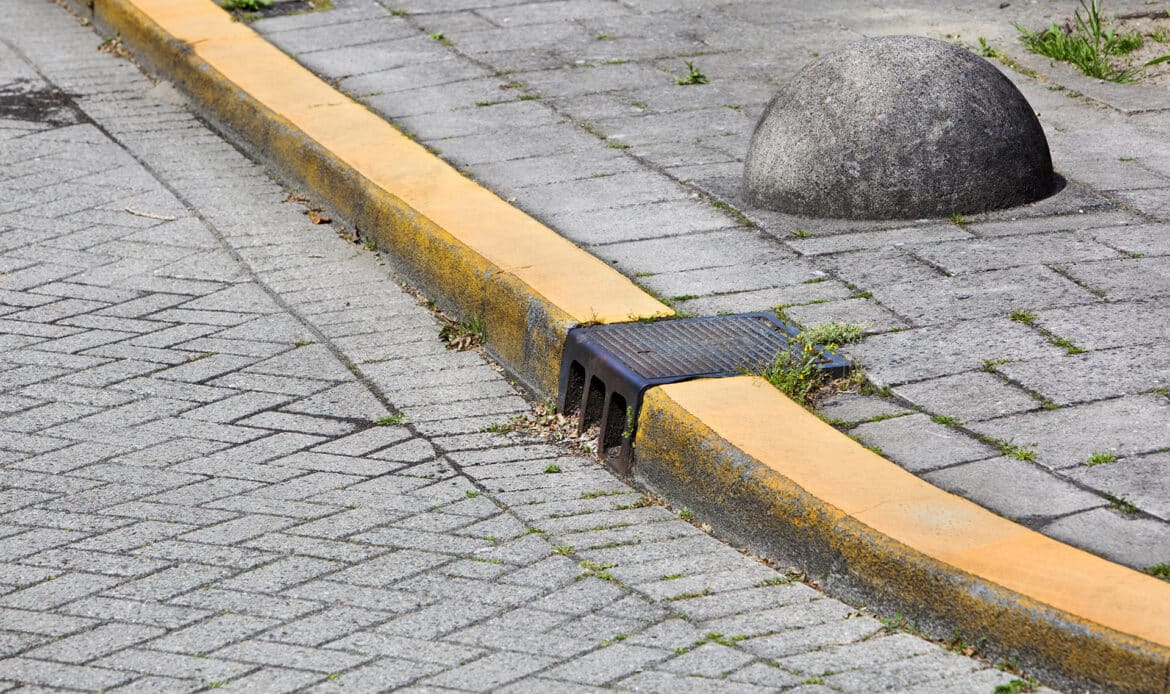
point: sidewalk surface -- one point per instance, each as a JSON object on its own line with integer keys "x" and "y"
{"x": 234, "y": 453}
{"x": 1020, "y": 347}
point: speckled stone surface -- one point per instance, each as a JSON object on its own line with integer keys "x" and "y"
{"x": 897, "y": 127}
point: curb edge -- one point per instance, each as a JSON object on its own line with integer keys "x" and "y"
{"x": 678, "y": 452}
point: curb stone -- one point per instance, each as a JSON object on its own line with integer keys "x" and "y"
{"x": 1096, "y": 622}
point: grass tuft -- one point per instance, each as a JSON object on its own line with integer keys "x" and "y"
{"x": 1089, "y": 43}
{"x": 834, "y": 333}
{"x": 1100, "y": 459}
{"x": 693, "y": 76}
{"x": 468, "y": 333}
{"x": 246, "y": 5}
{"x": 798, "y": 375}
{"x": 391, "y": 420}
{"x": 1159, "y": 570}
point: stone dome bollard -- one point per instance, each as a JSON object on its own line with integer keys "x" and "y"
{"x": 897, "y": 127}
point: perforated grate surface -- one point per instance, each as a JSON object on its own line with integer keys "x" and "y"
{"x": 693, "y": 347}
{"x": 606, "y": 368}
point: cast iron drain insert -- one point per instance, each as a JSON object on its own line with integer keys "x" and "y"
{"x": 606, "y": 368}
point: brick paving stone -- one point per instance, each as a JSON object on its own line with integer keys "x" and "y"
{"x": 918, "y": 444}
{"x": 94, "y": 643}
{"x": 1069, "y": 436}
{"x": 189, "y": 404}
{"x": 1040, "y": 494}
{"x": 1115, "y": 534}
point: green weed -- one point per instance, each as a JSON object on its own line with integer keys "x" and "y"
{"x": 247, "y": 5}
{"x": 990, "y": 365}
{"x": 468, "y": 333}
{"x": 1015, "y": 687}
{"x": 797, "y": 373}
{"x": 600, "y": 493}
{"x": 1024, "y": 453}
{"x": 590, "y": 565}
{"x": 1090, "y": 44}
{"x": 834, "y": 333}
{"x": 1100, "y": 459}
{"x": 390, "y": 420}
{"x": 693, "y": 76}
{"x": 739, "y": 216}
{"x": 1121, "y": 504}
{"x": 516, "y": 422}
{"x": 1020, "y": 315}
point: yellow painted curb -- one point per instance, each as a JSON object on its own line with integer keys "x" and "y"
{"x": 734, "y": 449}
{"x": 464, "y": 245}
{"x": 785, "y": 483}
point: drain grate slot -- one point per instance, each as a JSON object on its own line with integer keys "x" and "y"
{"x": 605, "y": 369}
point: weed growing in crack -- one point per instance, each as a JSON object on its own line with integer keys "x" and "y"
{"x": 1020, "y": 315}
{"x": 468, "y": 333}
{"x": 1100, "y": 459}
{"x": 1121, "y": 504}
{"x": 246, "y": 5}
{"x": 834, "y": 333}
{"x": 390, "y": 420}
{"x": 797, "y": 373}
{"x": 1016, "y": 686}
{"x": 1089, "y": 43}
{"x": 1161, "y": 571}
{"x": 693, "y": 76}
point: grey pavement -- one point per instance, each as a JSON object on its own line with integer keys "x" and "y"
{"x": 1036, "y": 338}
{"x": 235, "y": 454}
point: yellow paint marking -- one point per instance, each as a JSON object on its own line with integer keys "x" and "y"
{"x": 571, "y": 279}
{"x": 757, "y": 419}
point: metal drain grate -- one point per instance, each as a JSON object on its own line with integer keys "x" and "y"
{"x": 606, "y": 368}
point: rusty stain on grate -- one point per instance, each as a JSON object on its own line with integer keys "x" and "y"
{"x": 606, "y": 368}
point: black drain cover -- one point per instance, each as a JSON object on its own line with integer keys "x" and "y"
{"x": 606, "y": 368}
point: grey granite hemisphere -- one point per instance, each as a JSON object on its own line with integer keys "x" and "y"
{"x": 235, "y": 454}
{"x": 897, "y": 127}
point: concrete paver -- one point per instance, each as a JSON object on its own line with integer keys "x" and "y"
{"x": 572, "y": 111}
{"x": 206, "y": 482}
